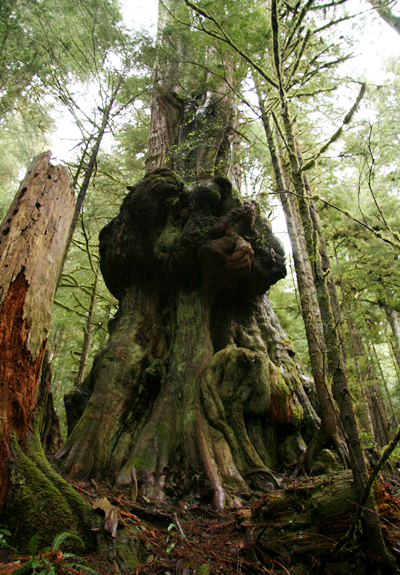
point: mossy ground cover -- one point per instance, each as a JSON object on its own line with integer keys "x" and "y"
{"x": 290, "y": 531}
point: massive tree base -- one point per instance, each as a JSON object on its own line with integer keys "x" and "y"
{"x": 198, "y": 388}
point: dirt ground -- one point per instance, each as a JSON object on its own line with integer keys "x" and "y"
{"x": 290, "y": 531}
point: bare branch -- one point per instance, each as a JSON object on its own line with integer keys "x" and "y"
{"x": 339, "y": 131}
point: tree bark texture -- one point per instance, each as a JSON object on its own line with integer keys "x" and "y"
{"x": 87, "y": 340}
{"x": 32, "y": 243}
{"x": 193, "y": 135}
{"x": 35, "y": 500}
{"x": 194, "y": 128}
{"x": 197, "y": 385}
{"x": 394, "y": 323}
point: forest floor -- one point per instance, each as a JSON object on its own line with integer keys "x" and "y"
{"x": 290, "y": 531}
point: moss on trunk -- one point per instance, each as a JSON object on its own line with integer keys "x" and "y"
{"x": 197, "y": 388}
{"x": 41, "y": 502}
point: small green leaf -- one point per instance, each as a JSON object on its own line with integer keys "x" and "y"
{"x": 61, "y": 537}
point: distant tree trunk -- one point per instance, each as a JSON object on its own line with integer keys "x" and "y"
{"x": 379, "y": 416}
{"x": 195, "y": 133}
{"x": 32, "y": 243}
{"x": 388, "y": 396}
{"x": 359, "y": 358}
{"x": 394, "y": 322}
{"x": 88, "y": 171}
{"x": 87, "y": 340}
{"x": 47, "y": 421}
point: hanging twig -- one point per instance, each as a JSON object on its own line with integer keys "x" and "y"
{"x": 377, "y": 233}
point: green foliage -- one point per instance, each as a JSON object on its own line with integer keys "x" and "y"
{"x": 40, "y": 40}
{"x": 40, "y": 564}
{"x": 45, "y": 48}
{"x": 4, "y": 534}
{"x": 172, "y": 538}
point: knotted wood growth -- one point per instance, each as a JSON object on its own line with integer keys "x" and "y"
{"x": 197, "y": 387}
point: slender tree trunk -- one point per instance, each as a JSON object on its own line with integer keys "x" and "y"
{"x": 372, "y": 529}
{"x": 327, "y": 304}
{"x": 394, "y": 322}
{"x": 48, "y": 423}
{"x": 91, "y": 165}
{"x": 309, "y": 303}
{"x": 383, "y": 379}
{"x": 87, "y": 340}
{"x": 359, "y": 358}
{"x": 378, "y": 388}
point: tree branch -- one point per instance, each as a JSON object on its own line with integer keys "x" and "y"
{"x": 339, "y": 131}
{"x": 377, "y": 234}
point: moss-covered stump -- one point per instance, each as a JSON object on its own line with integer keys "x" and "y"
{"x": 41, "y": 503}
{"x": 198, "y": 389}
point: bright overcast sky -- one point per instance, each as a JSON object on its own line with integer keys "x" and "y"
{"x": 140, "y": 13}
{"x": 375, "y": 42}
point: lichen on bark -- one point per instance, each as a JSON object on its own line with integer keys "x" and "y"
{"x": 197, "y": 387}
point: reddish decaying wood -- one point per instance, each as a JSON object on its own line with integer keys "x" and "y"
{"x": 32, "y": 242}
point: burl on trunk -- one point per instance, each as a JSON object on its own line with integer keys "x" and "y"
{"x": 197, "y": 388}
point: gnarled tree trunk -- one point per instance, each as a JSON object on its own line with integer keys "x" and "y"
{"x": 197, "y": 388}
